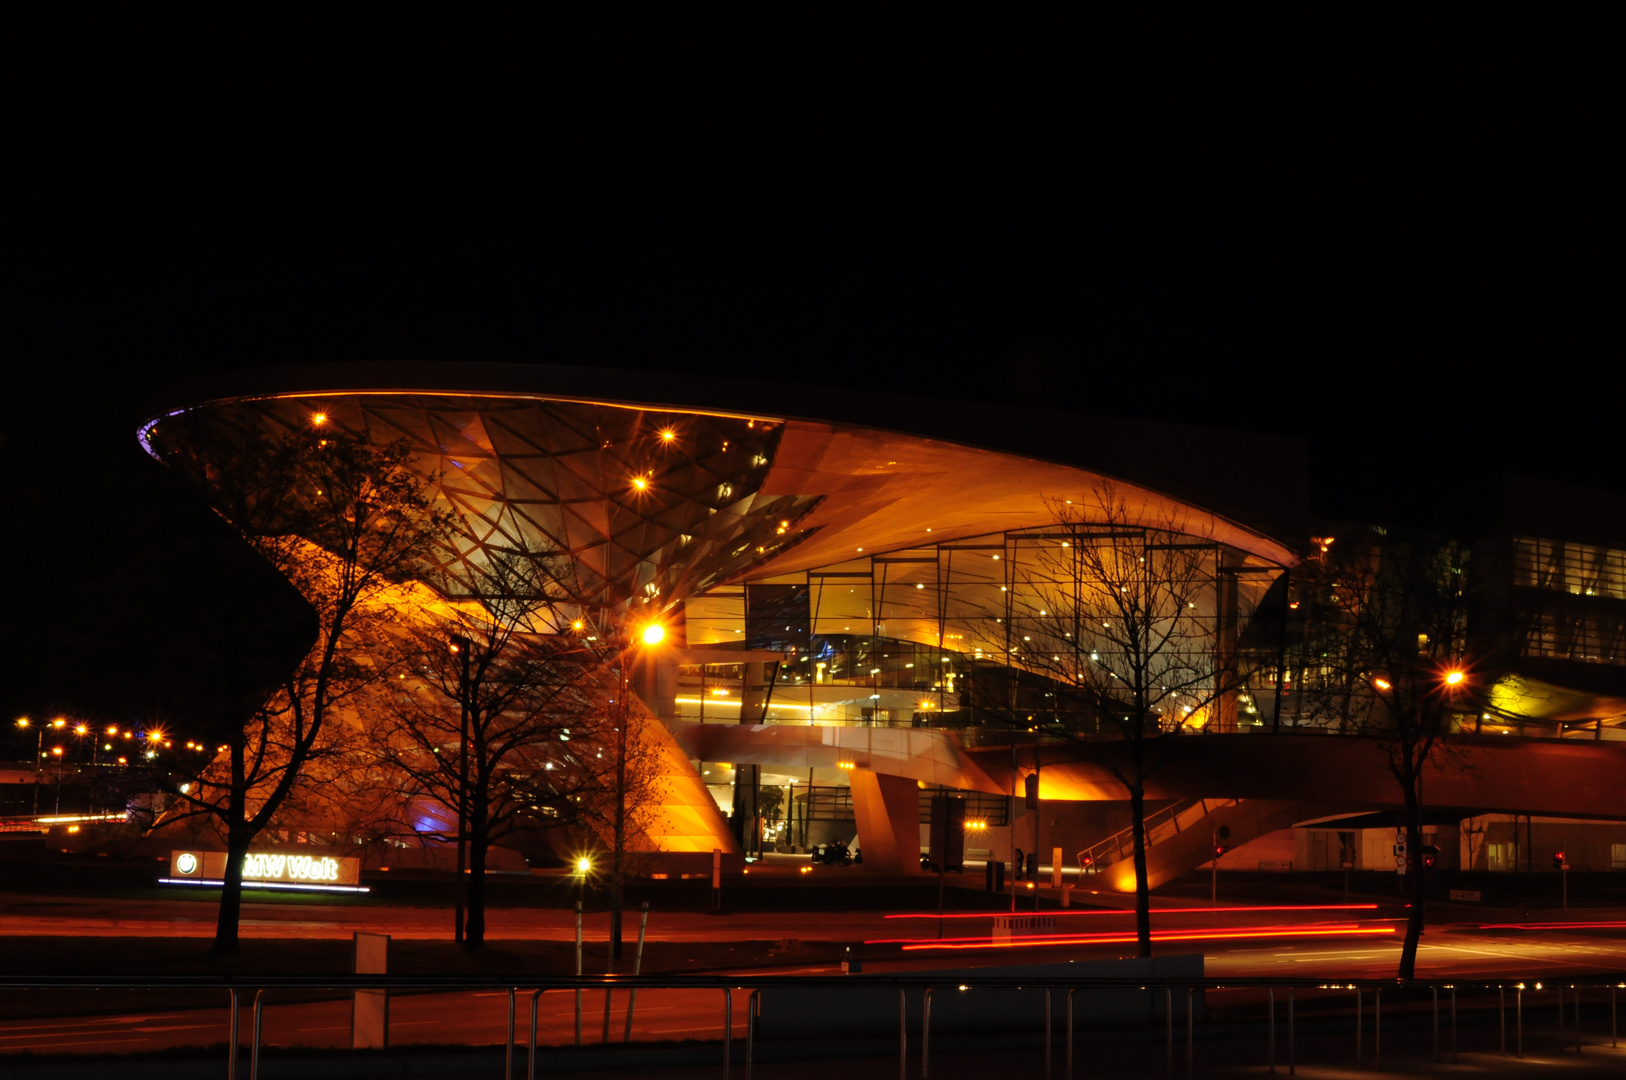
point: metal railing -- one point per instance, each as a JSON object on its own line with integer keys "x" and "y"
{"x": 1165, "y": 823}
{"x": 925, "y": 982}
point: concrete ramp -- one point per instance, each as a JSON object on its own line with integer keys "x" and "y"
{"x": 1181, "y": 837}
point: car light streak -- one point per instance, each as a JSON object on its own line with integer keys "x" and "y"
{"x": 1238, "y": 934}
{"x": 1131, "y": 911}
{"x": 1553, "y": 926}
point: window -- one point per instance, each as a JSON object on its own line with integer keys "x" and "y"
{"x": 1589, "y": 637}
{"x": 1617, "y": 856}
{"x": 1578, "y": 569}
{"x": 1501, "y": 856}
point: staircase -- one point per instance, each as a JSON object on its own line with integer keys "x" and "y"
{"x": 1180, "y": 838}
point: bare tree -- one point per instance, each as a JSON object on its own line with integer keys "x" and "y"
{"x": 495, "y": 719}
{"x": 624, "y": 808}
{"x": 1389, "y": 627}
{"x": 343, "y": 521}
{"x": 1125, "y": 621}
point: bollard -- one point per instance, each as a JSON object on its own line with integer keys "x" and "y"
{"x": 1560, "y": 990}
{"x": 1614, "y": 1040}
{"x": 1518, "y": 1022}
{"x": 1501, "y": 1017}
{"x": 1270, "y": 1026}
{"x": 578, "y": 972}
{"x": 1577, "y": 1021}
{"x": 508, "y": 1050}
{"x": 926, "y": 1034}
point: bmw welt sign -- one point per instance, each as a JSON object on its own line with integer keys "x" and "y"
{"x": 293, "y": 868}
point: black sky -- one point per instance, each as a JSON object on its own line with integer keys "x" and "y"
{"x": 1394, "y": 238}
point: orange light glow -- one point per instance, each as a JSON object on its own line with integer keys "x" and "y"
{"x": 81, "y": 730}
{"x": 1452, "y": 678}
{"x": 640, "y": 483}
{"x": 1381, "y": 684}
{"x": 57, "y": 750}
{"x": 654, "y": 634}
{"x": 577, "y": 625}
{"x": 668, "y": 435}
{"x": 59, "y": 722}
{"x": 319, "y": 418}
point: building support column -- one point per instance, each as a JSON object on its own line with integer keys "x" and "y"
{"x": 887, "y": 809}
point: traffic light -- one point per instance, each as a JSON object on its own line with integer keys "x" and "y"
{"x": 1431, "y": 852}
{"x": 1558, "y": 860}
{"x": 1219, "y": 849}
{"x": 1086, "y": 862}
{"x": 1030, "y": 786}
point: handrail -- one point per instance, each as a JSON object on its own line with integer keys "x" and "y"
{"x": 927, "y": 982}
{"x": 1094, "y": 856}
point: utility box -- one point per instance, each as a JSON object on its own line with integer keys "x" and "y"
{"x": 370, "y": 1009}
{"x": 948, "y": 833}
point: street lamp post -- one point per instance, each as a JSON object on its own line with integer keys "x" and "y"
{"x": 460, "y": 645}
{"x": 651, "y": 635}
{"x": 39, "y": 761}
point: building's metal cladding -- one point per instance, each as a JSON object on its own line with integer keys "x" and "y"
{"x": 650, "y": 507}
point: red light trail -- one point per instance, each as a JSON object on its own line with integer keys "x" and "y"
{"x": 1131, "y": 911}
{"x": 1553, "y": 926}
{"x": 1233, "y": 934}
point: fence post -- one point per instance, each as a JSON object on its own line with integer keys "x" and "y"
{"x": 1070, "y": 994}
{"x": 1292, "y": 1048}
{"x": 530, "y": 1057}
{"x": 1614, "y": 1040}
{"x": 637, "y": 969}
{"x": 1435, "y": 990}
{"x": 1377, "y": 1030}
{"x": 508, "y": 1050}
{"x": 926, "y": 1034}
{"x": 254, "y": 1047}
{"x": 1501, "y": 1016}
{"x": 1189, "y": 1012}
{"x": 1518, "y": 1022}
{"x": 231, "y": 1061}
{"x": 1047, "y": 1069}
{"x": 1270, "y": 1025}
{"x": 1357, "y": 1027}
{"x": 1168, "y": 1031}
{"x": 578, "y": 972}
{"x": 1454, "y": 1024}
{"x": 1577, "y": 1021}
{"x": 728, "y": 1029}
{"x": 903, "y": 1033}
{"x": 1560, "y": 989}
{"x": 753, "y": 1009}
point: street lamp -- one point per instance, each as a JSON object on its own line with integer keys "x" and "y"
{"x": 651, "y": 635}
{"x": 39, "y": 761}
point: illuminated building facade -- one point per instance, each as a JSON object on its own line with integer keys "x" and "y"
{"x": 865, "y": 598}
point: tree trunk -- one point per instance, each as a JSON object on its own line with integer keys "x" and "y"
{"x": 1143, "y": 893}
{"x": 231, "y": 893}
{"x": 1414, "y": 868}
{"x": 474, "y": 929}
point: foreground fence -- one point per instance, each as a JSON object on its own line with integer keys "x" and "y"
{"x": 1169, "y": 998}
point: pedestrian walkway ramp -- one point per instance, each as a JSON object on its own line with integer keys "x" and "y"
{"x": 1181, "y": 837}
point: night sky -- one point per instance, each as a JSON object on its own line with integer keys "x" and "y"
{"x": 1397, "y": 240}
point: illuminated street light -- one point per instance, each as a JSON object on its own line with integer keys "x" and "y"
{"x": 654, "y": 634}
{"x": 584, "y": 865}
{"x": 1381, "y": 684}
{"x": 1452, "y": 678}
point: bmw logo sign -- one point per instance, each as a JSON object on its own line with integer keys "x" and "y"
{"x": 187, "y": 863}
